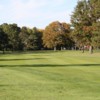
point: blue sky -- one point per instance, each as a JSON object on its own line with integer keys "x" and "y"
{"x": 36, "y": 13}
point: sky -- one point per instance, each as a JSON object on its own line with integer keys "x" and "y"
{"x": 36, "y": 13}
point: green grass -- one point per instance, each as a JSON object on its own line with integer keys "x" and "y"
{"x": 63, "y": 75}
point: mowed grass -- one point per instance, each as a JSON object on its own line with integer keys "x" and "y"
{"x": 48, "y": 75}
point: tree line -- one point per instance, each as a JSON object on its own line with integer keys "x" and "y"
{"x": 83, "y": 32}
{"x": 14, "y": 38}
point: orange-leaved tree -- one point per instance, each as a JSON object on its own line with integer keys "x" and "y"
{"x": 55, "y": 34}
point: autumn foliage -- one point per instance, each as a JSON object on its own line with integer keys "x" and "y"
{"x": 55, "y": 34}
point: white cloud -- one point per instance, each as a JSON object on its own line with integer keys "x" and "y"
{"x": 26, "y": 10}
{"x": 36, "y": 12}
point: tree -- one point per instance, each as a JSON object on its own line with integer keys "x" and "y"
{"x": 24, "y": 35}
{"x": 13, "y": 34}
{"x": 79, "y": 20}
{"x": 31, "y": 38}
{"x": 68, "y": 43}
{"x": 40, "y": 41}
{"x": 54, "y": 35}
{"x": 3, "y": 40}
{"x": 12, "y": 31}
{"x": 94, "y": 10}
{"x": 85, "y": 14}
{"x": 96, "y": 35}
{"x": 37, "y": 38}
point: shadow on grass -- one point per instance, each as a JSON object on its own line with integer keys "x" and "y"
{"x": 53, "y": 65}
{"x": 1, "y": 85}
{"x": 20, "y": 59}
{"x": 28, "y": 52}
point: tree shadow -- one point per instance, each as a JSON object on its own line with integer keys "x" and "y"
{"x": 3, "y": 85}
{"x": 20, "y": 59}
{"x": 28, "y": 52}
{"x": 53, "y": 65}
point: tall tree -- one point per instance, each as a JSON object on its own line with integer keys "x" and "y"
{"x": 31, "y": 38}
{"x": 24, "y": 35}
{"x": 3, "y": 40}
{"x": 55, "y": 35}
{"x": 37, "y": 33}
{"x": 12, "y": 30}
{"x": 94, "y": 11}
{"x": 84, "y": 15}
{"x": 68, "y": 38}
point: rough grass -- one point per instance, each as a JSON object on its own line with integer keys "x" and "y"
{"x": 68, "y": 75}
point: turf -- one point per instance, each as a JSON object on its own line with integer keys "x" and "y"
{"x": 48, "y": 75}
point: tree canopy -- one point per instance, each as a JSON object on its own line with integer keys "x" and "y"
{"x": 56, "y": 34}
{"x": 86, "y": 20}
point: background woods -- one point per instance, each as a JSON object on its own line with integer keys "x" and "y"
{"x": 83, "y": 32}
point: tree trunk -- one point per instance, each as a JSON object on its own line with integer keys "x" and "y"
{"x": 83, "y": 49}
{"x": 3, "y": 51}
{"x": 90, "y": 49}
{"x": 61, "y": 48}
{"x": 75, "y": 47}
{"x": 55, "y": 48}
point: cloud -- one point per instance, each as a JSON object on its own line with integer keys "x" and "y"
{"x": 32, "y": 8}
{"x": 37, "y": 13}
{"x": 26, "y": 10}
